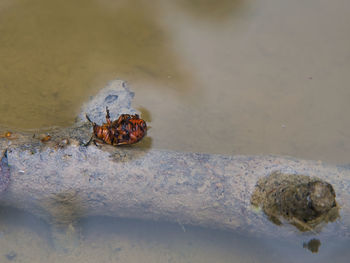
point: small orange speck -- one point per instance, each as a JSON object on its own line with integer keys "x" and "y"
{"x": 8, "y": 134}
{"x": 46, "y": 138}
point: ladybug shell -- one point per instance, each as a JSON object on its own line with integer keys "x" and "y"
{"x": 129, "y": 129}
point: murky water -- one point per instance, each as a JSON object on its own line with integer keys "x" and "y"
{"x": 24, "y": 238}
{"x": 247, "y": 77}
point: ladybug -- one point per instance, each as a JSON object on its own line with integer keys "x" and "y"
{"x": 127, "y": 129}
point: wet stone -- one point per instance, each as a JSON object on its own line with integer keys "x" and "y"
{"x": 303, "y": 201}
{"x": 313, "y": 245}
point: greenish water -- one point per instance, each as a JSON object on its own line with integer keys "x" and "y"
{"x": 229, "y": 77}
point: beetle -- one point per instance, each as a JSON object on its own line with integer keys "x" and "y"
{"x": 127, "y": 129}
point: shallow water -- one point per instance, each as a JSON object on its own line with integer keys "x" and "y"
{"x": 247, "y": 77}
{"x": 24, "y": 238}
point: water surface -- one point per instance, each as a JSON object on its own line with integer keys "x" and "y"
{"x": 229, "y": 77}
{"x": 249, "y": 77}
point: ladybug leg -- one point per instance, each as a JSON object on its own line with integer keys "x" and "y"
{"x": 92, "y": 139}
{"x": 87, "y": 117}
{"x": 95, "y": 142}
{"x": 119, "y": 120}
{"x": 88, "y": 143}
{"x": 108, "y": 117}
{"x": 98, "y": 142}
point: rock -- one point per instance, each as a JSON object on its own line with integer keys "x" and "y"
{"x": 313, "y": 245}
{"x": 4, "y": 173}
{"x": 304, "y": 201}
{"x": 60, "y": 180}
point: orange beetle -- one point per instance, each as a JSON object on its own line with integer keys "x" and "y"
{"x": 127, "y": 129}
